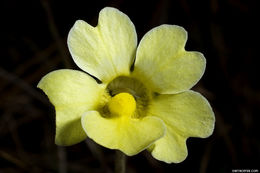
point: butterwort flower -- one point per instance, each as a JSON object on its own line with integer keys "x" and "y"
{"x": 144, "y": 99}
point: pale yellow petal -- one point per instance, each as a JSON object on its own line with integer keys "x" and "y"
{"x": 171, "y": 148}
{"x": 187, "y": 114}
{"x": 72, "y": 93}
{"x": 107, "y": 50}
{"x": 129, "y": 135}
{"x": 164, "y": 65}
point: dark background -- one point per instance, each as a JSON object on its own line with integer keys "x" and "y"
{"x": 33, "y": 43}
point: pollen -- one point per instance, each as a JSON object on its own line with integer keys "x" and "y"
{"x": 122, "y": 104}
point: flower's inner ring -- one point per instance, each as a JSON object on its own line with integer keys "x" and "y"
{"x": 135, "y": 88}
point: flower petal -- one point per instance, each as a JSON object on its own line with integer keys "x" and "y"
{"x": 171, "y": 148}
{"x": 129, "y": 135}
{"x": 163, "y": 63}
{"x": 107, "y": 50}
{"x": 187, "y": 114}
{"x": 72, "y": 93}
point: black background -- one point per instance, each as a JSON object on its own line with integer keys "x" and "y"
{"x": 33, "y": 43}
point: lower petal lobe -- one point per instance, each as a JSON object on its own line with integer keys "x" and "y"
{"x": 72, "y": 93}
{"x": 187, "y": 114}
{"x": 130, "y": 135}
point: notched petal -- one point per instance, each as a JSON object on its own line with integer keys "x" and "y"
{"x": 163, "y": 63}
{"x": 187, "y": 114}
{"x": 171, "y": 148}
{"x": 107, "y": 50}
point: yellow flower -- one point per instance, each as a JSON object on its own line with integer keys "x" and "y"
{"x": 149, "y": 106}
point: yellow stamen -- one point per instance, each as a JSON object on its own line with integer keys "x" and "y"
{"x": 122, "y": 104}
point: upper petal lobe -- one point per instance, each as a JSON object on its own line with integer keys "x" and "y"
{"x": 164, "y": 65}
{"x": 107, "y": 50}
